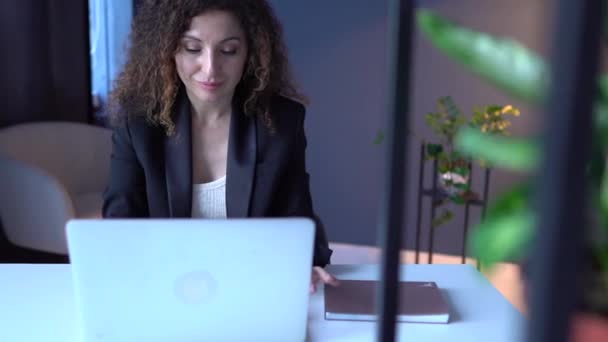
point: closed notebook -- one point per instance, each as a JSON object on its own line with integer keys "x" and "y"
{"x": 420, "y": 302}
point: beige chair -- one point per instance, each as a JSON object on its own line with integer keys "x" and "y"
{"x": 51, "y": 172}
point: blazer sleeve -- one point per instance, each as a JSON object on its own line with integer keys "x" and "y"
{"x": 297, "y": 194}
{"x": 125, "y": 195}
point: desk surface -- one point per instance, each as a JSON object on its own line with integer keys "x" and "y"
{"x": 36, "y": 304}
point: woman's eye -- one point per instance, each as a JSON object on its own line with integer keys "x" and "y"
{"x": 229, "y": 52}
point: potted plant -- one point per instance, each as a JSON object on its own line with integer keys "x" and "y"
{"x": 506, "y": 231}
{"x": 453, "y": 168}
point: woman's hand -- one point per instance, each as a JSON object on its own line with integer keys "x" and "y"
{"x": 320, "y": 274}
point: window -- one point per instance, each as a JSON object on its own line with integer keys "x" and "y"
{"x": 110, "y": 23}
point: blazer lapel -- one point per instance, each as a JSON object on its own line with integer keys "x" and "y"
{"x": 178, "y": 160}
{"x": 240, "y": 164}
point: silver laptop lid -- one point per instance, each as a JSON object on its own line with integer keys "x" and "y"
{"x": 192, "y": 280}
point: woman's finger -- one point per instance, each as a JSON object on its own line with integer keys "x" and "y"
{"x": 325, "y": 276}
{"x": 313, "y": 287}
{"x": 314, "y": 277}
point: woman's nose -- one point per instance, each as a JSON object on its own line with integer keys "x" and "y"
{"x": 209, "y": 63}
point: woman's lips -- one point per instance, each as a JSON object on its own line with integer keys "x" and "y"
{"x": 209, "y": 85}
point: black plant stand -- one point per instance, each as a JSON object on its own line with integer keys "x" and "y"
{"x": 437, "y": 196}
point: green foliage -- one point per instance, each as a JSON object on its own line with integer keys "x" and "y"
{"x": 434, "y": 150}
{"x": 509, "y": 224}
{"x": 515, "y": 154}
{"x": 493, "y": 119}
{"x": 503, "y": 237}
{"x": 447, "y": 120}
{"x": 379, "y": 138}
{"x": 446, "y": 123}
{"x": 506, "y": 229}
{"x": 503, "y": 62}
{"x": 443, "y": 218}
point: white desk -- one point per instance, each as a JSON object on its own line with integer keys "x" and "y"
{"x": 36, "y": 305}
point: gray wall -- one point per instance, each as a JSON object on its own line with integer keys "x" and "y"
{"x": 338, "y": 49}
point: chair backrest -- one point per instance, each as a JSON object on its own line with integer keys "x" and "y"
{"x": 77, "y": 154}
{"x": 34, "y": 207}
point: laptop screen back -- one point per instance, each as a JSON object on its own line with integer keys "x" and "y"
{"x": 192, "y": 280}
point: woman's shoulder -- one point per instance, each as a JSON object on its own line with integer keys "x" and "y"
{"x": 286, "y": 111}
{"x": 287, "y": 105}
{"x": 136, "y": 127}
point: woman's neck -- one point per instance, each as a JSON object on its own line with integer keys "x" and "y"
{"x": 210, "y": 112}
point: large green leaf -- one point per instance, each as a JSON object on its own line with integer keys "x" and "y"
{"x": 504, "y": 62}
{"x": 503, "y": 237}
{"x": 516, "y": 154}
{"x": 516, "y": 198}
{"x": 507, "y": 227}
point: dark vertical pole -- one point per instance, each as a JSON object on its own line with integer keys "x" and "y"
{"x": 561, "y": 198}
{"x": 419, "y": 203}
{"x": 391, "y": 220}
{"x": 484, "y": 206}
{"x": 434, "y": 197}
{"x": 465, "y": 229}
{"x": 486, "y": 190}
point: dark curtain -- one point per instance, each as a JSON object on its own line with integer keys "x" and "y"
{"x": 45, "y": 61}
{"x": 44, "y": 74}
{"x": 136, "y": 4}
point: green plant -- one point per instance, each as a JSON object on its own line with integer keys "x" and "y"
{"x": 445, "y": 123}
{"x": 452, "y": 166}
{"x": 506, "y": 231}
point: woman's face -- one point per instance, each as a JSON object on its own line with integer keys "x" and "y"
{"x": 211, "y": 57}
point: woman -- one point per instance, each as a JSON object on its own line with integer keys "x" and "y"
{"x": 207, "y": 123}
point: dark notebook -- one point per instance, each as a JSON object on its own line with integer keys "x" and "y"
{"x": 420, "y": 302}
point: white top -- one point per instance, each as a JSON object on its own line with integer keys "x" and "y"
{"x": 209, "y": 199}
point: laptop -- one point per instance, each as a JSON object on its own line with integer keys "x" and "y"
{"x": 186, "y": 280}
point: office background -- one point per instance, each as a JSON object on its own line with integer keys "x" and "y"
{"x": 340, "y": 59}
{"x": 338, "y": 52}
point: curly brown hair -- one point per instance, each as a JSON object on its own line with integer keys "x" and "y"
{"x": 148, "y": 84}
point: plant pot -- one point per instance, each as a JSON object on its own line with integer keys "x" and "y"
{"x": 586, "y": 327}
{"x": 453, "y": 184}
{"x": 589, "y": 328}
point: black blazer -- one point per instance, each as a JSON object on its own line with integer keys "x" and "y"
{"x": 151, "y": 174}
